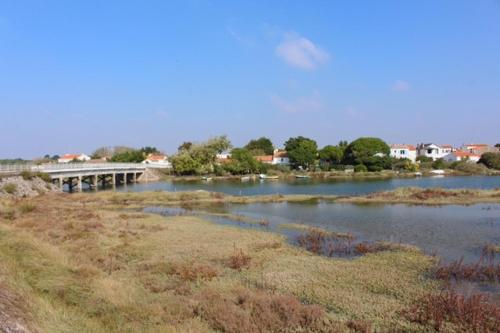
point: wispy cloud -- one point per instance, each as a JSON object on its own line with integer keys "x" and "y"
{"x": 248, "y": 42}
{"x": 400, "y": 86}
{"x": 353, "y": 112}
{"x": 297, "y": 105}
{"x": 300, "y": 52}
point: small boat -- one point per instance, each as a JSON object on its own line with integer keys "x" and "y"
{"x": 438, "y": 172}
{"x": 245, "y": 178}
{"x": 302, "y": 176}
{"x": 205, "y": 178}
{"x": 263, "y": 176}
{"x": 418, "y": 174}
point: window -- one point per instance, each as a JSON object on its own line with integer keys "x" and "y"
{"x": 402, "y": 152}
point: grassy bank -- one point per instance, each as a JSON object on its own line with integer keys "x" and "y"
{"x": 76, "y": 263}
{"x": 409, "y": 195}
{"x": 431, "y": 196}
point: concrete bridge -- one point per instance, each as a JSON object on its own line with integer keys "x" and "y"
{"x": 75, "y": 175}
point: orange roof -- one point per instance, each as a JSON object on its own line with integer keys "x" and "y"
{"x": 157, "y": 157}
{"x": 69, "y": 156}
{"x": 281, "y": 153}
{"x": 264, "y": 158}
{"x": 460, "y": 153}
{"x": 403, "y": 146}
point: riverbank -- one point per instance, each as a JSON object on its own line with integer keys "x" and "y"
{"x": 408, "y": 195}
{"x": 76, "y": 263}
{"x": 340, "y": 175}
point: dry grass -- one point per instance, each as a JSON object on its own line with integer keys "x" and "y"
{"x": 432, "y": 196}
{"x": 80, "y": 264}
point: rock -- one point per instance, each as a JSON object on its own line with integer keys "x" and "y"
{"x": 18, "y": 187}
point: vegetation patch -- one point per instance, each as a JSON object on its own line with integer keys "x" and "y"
{"x": 452, "y": 312}
{"x": 10, "y": 188}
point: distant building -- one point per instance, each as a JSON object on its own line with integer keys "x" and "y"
{"x": 460, "y": 155}
{"x": 479, "y": 148}
{"x": 404, "y": 151}
{"x": 67, "y": 158}
{"x": 433, "y": 151}
{"x": 158, "y": 160}
{"x": 266, "y": 159}
{"x": 280, "y": 157}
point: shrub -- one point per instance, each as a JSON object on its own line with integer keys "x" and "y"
{"x": 10, "y": 188}
{"x": 28, "y": 175}
{"x": 360, "y": 168}
{"x": 467, "y": 314}
{"x": 239, "y": 260}
{"x": 250, "y": 311}
{"x": 491, "y": 160}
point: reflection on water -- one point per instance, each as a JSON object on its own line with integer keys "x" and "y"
{"x": 312, "y": 186}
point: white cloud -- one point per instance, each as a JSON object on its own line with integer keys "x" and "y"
{"x": 301, "y": 104}
{"x": 400, "y": 86}
{"x": 300, "y": 52}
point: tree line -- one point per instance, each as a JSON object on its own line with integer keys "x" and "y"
{"x": 365, "y": 154}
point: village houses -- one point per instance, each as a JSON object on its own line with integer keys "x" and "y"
{"x": 67, "y": 158}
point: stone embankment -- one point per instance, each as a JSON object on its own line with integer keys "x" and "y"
{"x": 19, "y": 187}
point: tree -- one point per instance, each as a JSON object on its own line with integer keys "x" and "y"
{"x": 128, "y": 156}
{"x": 149, "y": 150}
{"x": 332, "y": 155}
{"x": 497, "y": 145}
{"x": 242, "y": 162}
{"x": 186, "y": 145}
{"x": 371, "y": 152}
{"x": 184, "y": 164}
{"x": 301, "y": 151}
{"x": 491, "y": 160}
{"x": 260, "y": 146}
{"x": 199, "y": 158}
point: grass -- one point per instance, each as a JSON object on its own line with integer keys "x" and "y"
{"x": 78, "y": 263}
{"x": 10, "y": 188}
{"x": 430, "y": 196}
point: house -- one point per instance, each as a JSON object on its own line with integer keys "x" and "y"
{"x": 461, "y": 155}
{"x": 404, "y": 151}
{"x": 67, "y": 158}
{"x": 478, "y": 148}
{"x": 266, "y": 159}
{"x": 433, "y": 151}
{"x": 280, "y": 157}
{"x": 158, "y": 160}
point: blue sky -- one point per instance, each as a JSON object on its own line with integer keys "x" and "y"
{"x": 76, "y": 75}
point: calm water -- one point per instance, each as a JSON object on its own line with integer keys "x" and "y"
{"x": 340, "y": 187}
{"x": 448, "y": 231}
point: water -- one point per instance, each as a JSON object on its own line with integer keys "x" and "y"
{"x": 319, "y": 187}
{"x": 450, "y": 232}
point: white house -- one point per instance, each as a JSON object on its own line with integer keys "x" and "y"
{"x": 404, "y": 151}
{"x": 67, "y": 158}
{"x": 433, "y": 151}
{"x": 280, "y": 157}
{"x": 460, "y": 155}
{"x": 158, "y": 160}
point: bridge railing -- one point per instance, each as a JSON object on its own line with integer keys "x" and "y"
{"x": 54, "y": 167}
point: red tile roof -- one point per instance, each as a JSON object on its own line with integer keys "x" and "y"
{"x": 403, "y": 146}
{"x": 460, "y": 153}
{"x": 69, "y": 156}
{"x": 156, "y": 157}
{"x": 281, "y": 153}
{"x": 265, "y": 158}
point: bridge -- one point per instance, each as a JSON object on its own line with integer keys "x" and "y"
{"x": 75, "y": 175}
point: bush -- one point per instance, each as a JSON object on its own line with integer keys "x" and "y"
{"x": 10, "y": 188}
{"x": 360, "y": 168}
{"x": 424, "y": 159}
{"x": 28, "y": 175}
{"x": 439, "y": 164}
{"x": 470, "y": 168}
{"x": 491, "y": 160}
